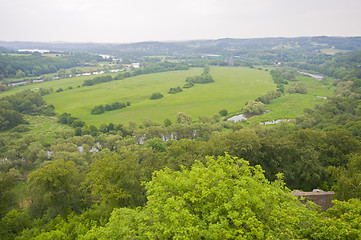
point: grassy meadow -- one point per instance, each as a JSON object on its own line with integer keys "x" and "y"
{"x": 64, "y": 83}
{"x": 232, "y": 88}
{"x": 45, "y": 128}
{"x": 290, "y": 106}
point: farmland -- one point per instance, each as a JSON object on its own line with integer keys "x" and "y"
{"x": 232, "y": 88}
{"x": 290, "y": 106}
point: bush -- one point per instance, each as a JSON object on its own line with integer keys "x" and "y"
{"x": 188, "y": 85}
{"x": 21, "y": 128}
{"x": 156, "y": 95}
{"x": 175, "y": 90}
{"x": 98, "y": 110}
{"x": 223, "y": 112}
{"x": 254, "y": 107}
{"x": 268, "y": 97}
{"x": 298, "y": 88}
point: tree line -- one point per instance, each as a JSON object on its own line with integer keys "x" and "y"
{"x": 109, "y": 107}
{"x": 19, "y": 66}
{"x": 12, "y": 108}
{"x": 146, "y": 69}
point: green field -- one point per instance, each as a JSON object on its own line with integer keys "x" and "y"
{"x": 44, "y": 128}
{"x": 232, "y": 88}
{"x": 290, "y": 106}
{"x": 64, "y": 83}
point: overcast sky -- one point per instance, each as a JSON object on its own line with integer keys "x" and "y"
{"x": 120, "y": 21}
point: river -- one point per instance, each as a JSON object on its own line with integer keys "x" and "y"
{"x": 318, "y": 77}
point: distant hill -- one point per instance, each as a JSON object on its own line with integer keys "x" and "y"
{"x": 218, "y": 46}
{"x": 5, "y": 50}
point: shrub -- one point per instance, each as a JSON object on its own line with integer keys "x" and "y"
{"x": 175, "y": 90}
{"x": 98, "y": 110}
{"x": 268, "y": 97}
{"x": 156, "y": 95}
{"x": 298, "y": 88}
{"x": 254, "y": 107}
{"x": 223, "y": 112}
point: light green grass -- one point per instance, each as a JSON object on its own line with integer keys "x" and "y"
{"x": 232, "y": 88}
{"x": 46, "y": 130}
{"x": 290, "y": 106}
{"x": 74, "y": 82}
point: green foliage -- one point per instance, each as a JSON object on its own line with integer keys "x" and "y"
{"x": 97, "y": 80}
{"x": 7, "y": 181}
{"x": 297, "y": 88}
{"x": 223, "y": 198}
{"x": 302, "y": 156}
{"x": 288, "y": 74}
{"x": 268, "y": 97}
{"x": 9, "y": 119}
{"x": 253, "y": 107}
{"x": 26, "y": 102}
{"x": 347, "y": 179}
{"x": 53, "y": 189}
{"x": 278, "y": 78}
{"x": 223, "y": 112}
{"x": 153, "y": 68}
{"x": 14, "y": 223}
{"x": 156, "y": 144}
{"x": 108, "y": 107}
{"x": 183, "y": 118}
{"x": 202, "y": 79}
{"x": 188, "y": 85}
{"x": 29, "y": 102}
{"x": 206, "y": 69}
{"x": 70, "y": 227}
{"x": 64, "y": 118}
{"x": 336, "y": 112}
{"x": 36, "y": 65}
{"x": 98, "y": 110}
{"x": 112, "y": 181}
{"x": 167, "y": 122}
{"x": 342, "y": 221}
{"x": 156, "y": 95}
{"x": 175, "y": 90}
{"x": 281, "y": 88}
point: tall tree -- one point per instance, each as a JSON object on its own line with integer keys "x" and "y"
{"x": 224, "y": 198}
{"x": 54, "y": 188}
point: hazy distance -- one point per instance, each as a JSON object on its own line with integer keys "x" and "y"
{"x": 116, "y": 21}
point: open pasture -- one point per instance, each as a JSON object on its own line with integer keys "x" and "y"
{"x": 232, "y": 88}
{"x": 290, "y": 106}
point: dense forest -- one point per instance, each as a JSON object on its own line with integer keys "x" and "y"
{"x": 31, "y": 65}
{"x": 188, "y": 179}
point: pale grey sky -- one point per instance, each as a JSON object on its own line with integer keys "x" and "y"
{"x": 119, "y": 21}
